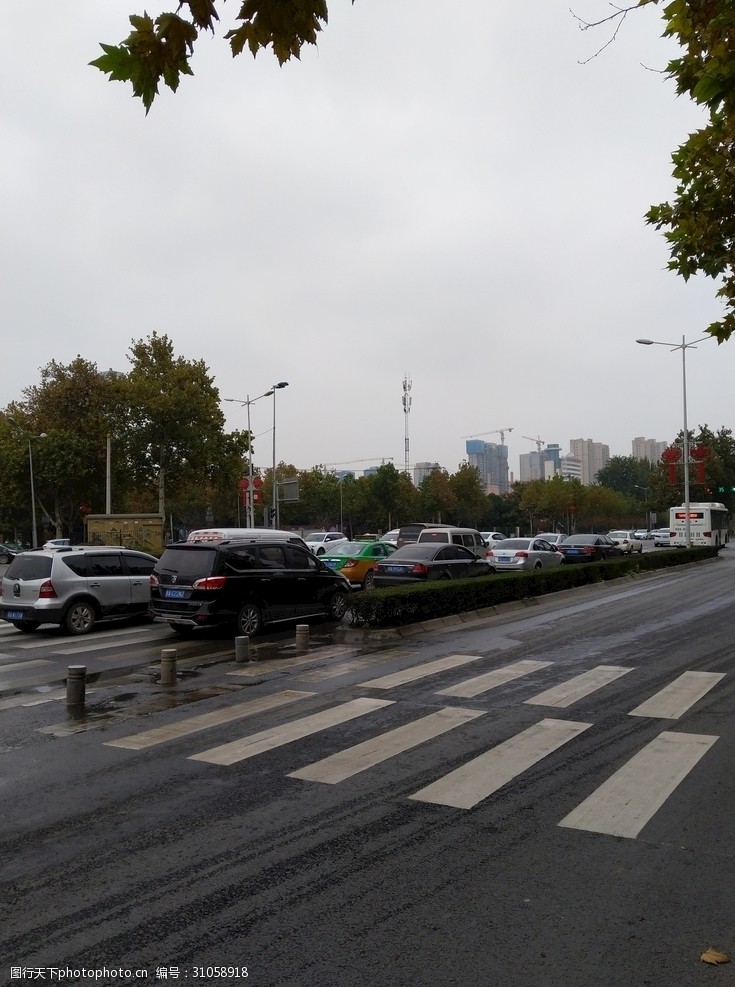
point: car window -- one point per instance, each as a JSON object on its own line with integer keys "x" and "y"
{"x": 272, "y": 556}
{"x": 29, "y": 566}
{"x": 299, "y": 559}
{"x": 106, "y": 565}
{"x": 188, "y": 563}
{"x": 241, "y": 559}
{"x": 77, "y": 563}
{"x": 138, "y": 565}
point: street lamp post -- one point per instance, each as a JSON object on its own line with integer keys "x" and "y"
{"x": 683, "y": 346}
{"x": 274, "y": 388}
{"x": 250, "y": 512}
{"x": 34, "y": 530}
{"x": 646, "y": 491}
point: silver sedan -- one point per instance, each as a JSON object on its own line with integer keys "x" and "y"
{"x": 518, "y": 554}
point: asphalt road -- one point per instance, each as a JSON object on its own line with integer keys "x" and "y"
{"x": 541, "y": 798}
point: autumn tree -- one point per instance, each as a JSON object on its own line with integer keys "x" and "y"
{"x": 466, "y": 486}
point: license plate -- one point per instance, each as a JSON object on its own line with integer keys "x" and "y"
{"x": 332, "y": 563}
{"x": 574, "y": 551}
{"x": 174, "y": 594}
{"x": 394, "y": 568}
{"x": 14, "y": 615}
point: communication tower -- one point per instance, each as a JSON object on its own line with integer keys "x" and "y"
{"x": 407, "y": 384}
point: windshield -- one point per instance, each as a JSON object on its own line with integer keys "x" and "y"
{"x": 512, "y": 543}
{"x": 346, "y": 548}
{"x": 187, "y": 563}
{"x": 29, "y": 566}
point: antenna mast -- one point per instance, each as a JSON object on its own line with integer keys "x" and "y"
{"x": 406, "y": 411}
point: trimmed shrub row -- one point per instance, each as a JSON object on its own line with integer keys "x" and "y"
{"x": 409, "y": 604}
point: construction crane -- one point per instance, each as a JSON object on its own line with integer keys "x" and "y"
{"x": 495, "y": 431}
{"x": 538, "y": 440}
{"x": 352, "y": 462}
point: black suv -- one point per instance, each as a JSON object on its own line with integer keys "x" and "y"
{"x": 245, "y": 583}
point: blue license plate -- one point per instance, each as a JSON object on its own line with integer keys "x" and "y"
{"x": 574, "y": 551}
{"x": 332, "y": 563}
{"x": 174, "y": 594}
{"x": 15, "y": 615}
{"x": 394, "y": 568}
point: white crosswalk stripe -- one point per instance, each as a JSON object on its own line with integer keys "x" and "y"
{"x": 359, "y": 758}
{"x": 679, "y": 696}
{"x": 491, "y": 680}
{"x": 417, "y": 672}
{"x": 266, "y": 740}
{"x": 624, "y": 804}
{"x": 569, "y": 692}
{"x": 483, "y": 775}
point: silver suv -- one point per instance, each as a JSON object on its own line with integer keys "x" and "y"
{"x": 75, "y": 587}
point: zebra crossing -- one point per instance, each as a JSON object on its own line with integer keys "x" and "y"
{"x": 621, "y": 805}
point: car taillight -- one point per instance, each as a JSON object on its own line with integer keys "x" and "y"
{"x": 707, "y": 534}
{"x": 210, "y": 582}
{"x": 154, "y": 581}
{"x": 47, "y": 591}
{"x": 589, "y": 549}
{"x": 350, "y": 564}
{"x": 490, "y": 554}
{"x": 419, "y": 569}
{"x": 522, "y": 555}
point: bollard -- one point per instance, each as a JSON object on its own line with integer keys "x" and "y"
{"x": 242, "y": 649}
{"x": 302, "y": 637}
{"x": 168, "y": 666}
{"x": 76, "y": 681}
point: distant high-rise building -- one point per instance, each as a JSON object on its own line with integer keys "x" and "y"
{"x": 592, "y": 455}
{"x": 541, "y": 465}
{"x": 422, "y": 470}
{"x": 649, "y": 449}
{"x": 570, "y": 468}
{"x": 490, "y": 459}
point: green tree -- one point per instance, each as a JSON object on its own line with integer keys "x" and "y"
{"x": 438, "y": 499}
{"x": 626, "y": 474}
{"x": 466, "y": 486}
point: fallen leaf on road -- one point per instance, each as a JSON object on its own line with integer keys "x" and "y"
{"x": 713, "y": 955}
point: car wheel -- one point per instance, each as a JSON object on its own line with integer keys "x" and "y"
{"x": 27, "y": 625}
{"x": 4, "y": 559}
{"x": 320, "y": 551}
{"x": 445, "y": 575}
{"x": 249, "y": 620}
{"x": 80, "y": 617}
{"x": 369, "y": 580}
{"x": 337, "y": 605}
{"x": 537, "y": 566}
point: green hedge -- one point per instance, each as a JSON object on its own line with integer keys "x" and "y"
{"x": 417, "y": 602}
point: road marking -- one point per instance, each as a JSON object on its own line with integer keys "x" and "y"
{"x": 670, "y": 703}
{"x": 628, "y": 799}
{"x": 416, "y": 672}
{"x": 41, "y": 640}
{"x": 319, "y": 674}
{"x": 273, "y": 664}
{"x": 491, "y": 680}
{"x": 172, "y": 731}
{"x": 267, "y": 740}
{"x": 47, "y": 697}
{"x": 24, "y": 664}
{"x": 578, "y": 687}
{"x": 483, "y": 775}
{"x": 359, "y": 758}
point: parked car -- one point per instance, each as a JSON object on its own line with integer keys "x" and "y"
{"x": 57, "y": 543}
{"x": 391, "y": 536}
{"x": 449, "y": 535}
{"x": 356, "y": 560}
{"x": 589, "y": 548}
{"x": 246, "y": 584}
{"x": 409, "y": 533}
{"x": 492, "y": 536}
{"x": 7, "y": 554}
{"x": 417, "y": 563}
{"x": 642, "y": 534}
{"x": 251, "y": 534}
{"x": 320, "y": 541}
{"x": 75, "y": 587}
{"x": 661, "y": 537}
{"x": 522, "y": 554}
{"x": 552, "y": 537}
{"x": 627, "y": 541}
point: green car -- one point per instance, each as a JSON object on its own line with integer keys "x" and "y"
{"x": 357, "y": 560}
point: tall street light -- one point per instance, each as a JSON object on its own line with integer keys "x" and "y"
{"x": 250, "y": 513}
{"x": 34, "y": 531}
{"x": 683, "y": 346}
{"x": 274, "y": 512}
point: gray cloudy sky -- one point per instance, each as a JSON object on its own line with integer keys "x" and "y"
{"x": 439, "y": 190}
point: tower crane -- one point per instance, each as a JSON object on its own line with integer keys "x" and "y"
{"x": 495, "y": 431}
{"x": 538, "y": 440}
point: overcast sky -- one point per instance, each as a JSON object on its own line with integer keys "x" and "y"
{"x": 439, "y": 190}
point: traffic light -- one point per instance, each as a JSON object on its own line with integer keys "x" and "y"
{"x": 271, "y": 516}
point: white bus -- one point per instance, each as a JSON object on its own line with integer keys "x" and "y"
{"x": 709, "y": 524}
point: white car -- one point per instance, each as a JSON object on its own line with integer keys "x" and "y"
{"x": 493, "y": 536}
{"x": 661, "y": 537}
{"x": 627, "y": 541}
{"x": 552, "y": 537}
{"x": 390, "y": 536}
{"x": 320, "y": 541}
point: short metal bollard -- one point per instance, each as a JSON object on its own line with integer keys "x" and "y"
{"x": 76, "y": 683}
{"x": 168, "y": 666}
{"x": 242, "y": 649}
{"x": 302, "y": 637}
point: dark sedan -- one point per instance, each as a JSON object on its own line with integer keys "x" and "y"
{"x": 7, "y": 554}
{"x": 589, "y": 548}
{"x": 419, "y": 562}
